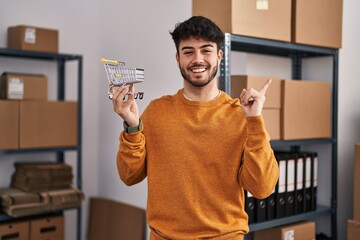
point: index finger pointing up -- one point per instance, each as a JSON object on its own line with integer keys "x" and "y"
{"x": 265, "y": 86}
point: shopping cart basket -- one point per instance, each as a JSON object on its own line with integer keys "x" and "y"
{"x": 118, "y": 75}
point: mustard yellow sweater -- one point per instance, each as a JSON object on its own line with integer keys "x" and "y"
{"x": 198, "y": 158}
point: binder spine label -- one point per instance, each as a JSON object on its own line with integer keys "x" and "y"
{"x": 282, "y": 177}
{"x": 299, "y": 174}
{"x": 291, "y": 176}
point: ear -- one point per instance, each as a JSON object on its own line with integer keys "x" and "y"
{"x": 220, "y": 55}
{"x": 177, "y": 58}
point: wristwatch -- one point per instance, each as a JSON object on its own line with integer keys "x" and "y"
{"x": 129, "y": 129}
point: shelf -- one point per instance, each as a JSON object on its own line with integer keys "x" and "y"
{"x": 4, "y": 217}
{"x": 277, "y": 48}
{"x": 296, "y": 53}
{"x": 291, "y": 219}
{"x": 37, "y": 150}
{"x": 287, "y": 143}
{"x": 7, "y": 52}
{"x": 60, "y": 60}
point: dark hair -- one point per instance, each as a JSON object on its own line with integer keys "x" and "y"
{"x": 198, "y": 27}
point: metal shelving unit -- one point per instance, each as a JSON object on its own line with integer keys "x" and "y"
{"x": 60, "y": 61}
{"x": 296, "y": 53}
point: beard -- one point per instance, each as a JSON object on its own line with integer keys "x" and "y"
{"x": 187, "y": 77}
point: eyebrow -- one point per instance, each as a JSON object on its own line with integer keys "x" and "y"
{"x": 203, "y": 46}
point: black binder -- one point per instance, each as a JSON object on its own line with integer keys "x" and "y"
{"x": 260, "y": 210}
{"x": 250, "y": 206}
{"x": 308, "y": 182}
{"x": 300, "y": 183}
{"x": 314, "y": 180}
{"x": 270, "y": 206}
{"x": 290, "y": 185}
{"x": 280, "y": 205}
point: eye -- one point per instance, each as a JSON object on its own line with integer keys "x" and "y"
{"x": 187, "y": 52}
{"x": 207, "y": 51}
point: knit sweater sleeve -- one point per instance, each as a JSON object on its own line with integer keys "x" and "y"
{"x": 259, "y": 171}
{"x": 130, "y": 159}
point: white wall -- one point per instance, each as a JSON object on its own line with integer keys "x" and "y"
{"x": 137, "y": 32}
{"x": 349, "y": 111}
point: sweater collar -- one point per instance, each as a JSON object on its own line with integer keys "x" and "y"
{"x": 213, "y": 102}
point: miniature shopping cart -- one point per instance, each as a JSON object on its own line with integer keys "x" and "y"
{"x": 118, "y": 75}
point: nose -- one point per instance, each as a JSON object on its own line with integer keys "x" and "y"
{"x": 198, "y": 57}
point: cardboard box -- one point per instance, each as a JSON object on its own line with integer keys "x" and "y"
{"x": 48, "y": 124}
{"x": 353, "y": 230}
{"x": 357, "y": 183}
{"x": 273, "y": 94}
{"x": 306, "y": 110}
{"x": 317, "y": 22}
{"x": 112, "y": 220}
{"x": 272, "y": 122}
{"x": 33, "y": 38}
{"x": 51, "y": 228}
{"x": 23, "y": 86}
{"x": 9, "y": 125}
{"x": 269, "y": 19}
{"x": 14, "y": 231}
{"x": 297, "y": 231}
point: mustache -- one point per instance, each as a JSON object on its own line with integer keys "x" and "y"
{"x": 198, "y": 65}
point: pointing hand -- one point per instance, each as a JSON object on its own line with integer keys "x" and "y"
{"x": 253, "y": 101}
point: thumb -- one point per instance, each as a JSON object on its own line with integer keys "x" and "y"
{"x": 131, "y": 92}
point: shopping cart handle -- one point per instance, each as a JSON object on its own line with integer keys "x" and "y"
{"x": 103, "y": 60}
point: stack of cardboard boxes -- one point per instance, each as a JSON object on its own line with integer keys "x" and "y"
{"x": 293, "y": 109}
{"x": 36, "y": 229}
{"x": 38, "y": 188}
{"x": 299, "y": 21}
{"x": 44, "y": 176}
{"x": 29, "y": 120}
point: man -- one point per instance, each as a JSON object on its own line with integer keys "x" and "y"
{"x": 199, "y": 148}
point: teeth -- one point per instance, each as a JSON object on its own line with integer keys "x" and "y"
{"x": 197, "y": 70}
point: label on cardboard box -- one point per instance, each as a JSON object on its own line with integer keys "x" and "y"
{"x": 16, "y": 88}
{"x": 289, "y": 235}
{"x": 30, "y": 35}
{"x": 262, "y": 4}
{"x": 296, "y": 231}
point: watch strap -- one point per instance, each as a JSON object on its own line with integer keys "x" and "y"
{"x": 129, "y": 129}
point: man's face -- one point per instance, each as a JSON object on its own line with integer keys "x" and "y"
{"x": 198, "y": 61}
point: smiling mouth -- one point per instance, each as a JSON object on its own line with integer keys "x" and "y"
{"x": 198, "y": 70}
